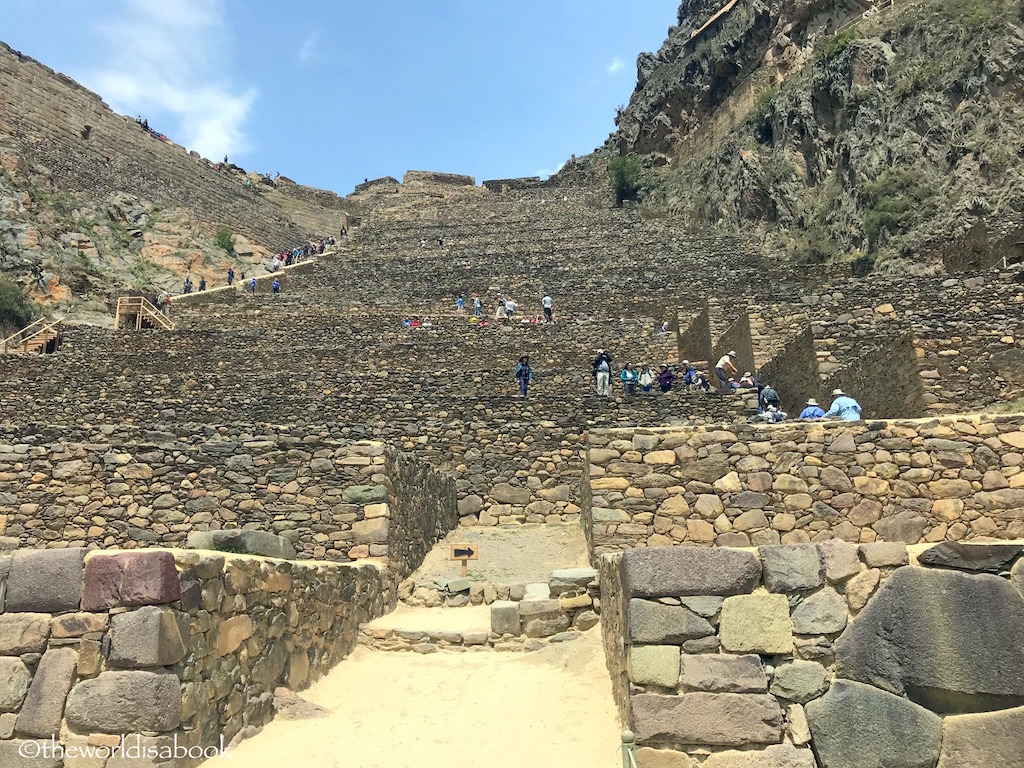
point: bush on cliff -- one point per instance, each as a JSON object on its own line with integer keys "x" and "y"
{"x": 225, "y": 240}
{"x": 16, "y": 310}
{"x": 626, "y": 176}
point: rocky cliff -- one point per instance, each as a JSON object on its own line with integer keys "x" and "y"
{"x": 895, "y": 136}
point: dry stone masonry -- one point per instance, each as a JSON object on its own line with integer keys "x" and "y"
{"x": 829, "y": 655}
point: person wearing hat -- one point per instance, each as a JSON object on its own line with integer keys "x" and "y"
{"x": 812, "y": 411}
{"x": 843, "y": 406}
{"x": 747, "y": 382}
{"x": 603, "y": 372}
{"x": 726, "y": 369}
{"x": 665, "y": 378}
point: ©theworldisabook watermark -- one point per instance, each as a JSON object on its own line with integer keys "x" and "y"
{"x": 130, "y": 747}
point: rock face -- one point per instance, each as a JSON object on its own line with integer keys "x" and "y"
{"x": 679, "y": 571}
{"x": 722, "y": 719}
{"x": 858, "y": 726}
{"x": 947, "y": 640}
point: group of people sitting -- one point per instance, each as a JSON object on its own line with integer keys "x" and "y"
{"x": 644, "y": 379}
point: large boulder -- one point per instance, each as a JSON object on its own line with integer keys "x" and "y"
{"x": 715, "y": 719}
{"x": 859, "y": 726}
{"x": 676, "y": 571}
{"x": 125, "y": 702}
{"x": 244, "y": 542}
{"x": 947, "y": 640}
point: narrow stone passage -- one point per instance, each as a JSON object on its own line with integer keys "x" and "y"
{"x": 552, "y": 707}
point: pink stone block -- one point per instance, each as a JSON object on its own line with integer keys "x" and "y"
{"x": 130, "y": 579}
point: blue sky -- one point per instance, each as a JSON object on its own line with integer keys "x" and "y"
{"x": 329, "y": 93}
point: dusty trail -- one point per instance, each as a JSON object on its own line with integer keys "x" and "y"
{"x": 489, "y": 708}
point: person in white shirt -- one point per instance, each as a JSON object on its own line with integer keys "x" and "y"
{"x": 726, "y": 369}
{"x": 547, "y": 304}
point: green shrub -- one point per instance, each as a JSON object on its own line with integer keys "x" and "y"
{"x": 626, "y": 176}
{"x": 225, "y": 239}
{"x": 839, "y": 43}
{"x": 16, "y": 311}
{"x": 897, "y": 199}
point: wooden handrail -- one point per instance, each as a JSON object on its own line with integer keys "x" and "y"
{"x": 26, "y": 334}
{"x": 139, "y": 307}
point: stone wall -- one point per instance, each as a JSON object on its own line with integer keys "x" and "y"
{"x": 166, "y": 648}
{"x": 887, "y": 381}
{"x": 134, "y": 487}
{"x": 907, "y": 481}
{"x": 57, "y": 124}
{"x": 435, "y": 178}
{"x": 808, "y": 656}
{"x": 695, "y": 338}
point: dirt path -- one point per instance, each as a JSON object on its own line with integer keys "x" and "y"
{"x": 403, "y": 710}
{"x": 517, "y": 554}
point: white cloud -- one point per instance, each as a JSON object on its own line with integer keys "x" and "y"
{"x": 615, "y": 66}
{"x": 169, "y": 57}
{"x": 545, "y": 172}
{"x": 308, "y": 47}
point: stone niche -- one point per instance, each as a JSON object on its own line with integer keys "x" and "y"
{"x": 827, "y": 655}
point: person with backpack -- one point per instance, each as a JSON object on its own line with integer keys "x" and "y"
{"x": 689, "y": 374}
{"x": 276, "y": 286}
{"x": 202, "y": 283}
{"x": 252, "y": 286}
{"x": 629, "y": 378}
{"x": 603, "y": 372}
{"x": 187, "y": 287}
{"x": 646, "y": 379}
{"x": 524, "y": 374}
{"x": 768, "y": 398}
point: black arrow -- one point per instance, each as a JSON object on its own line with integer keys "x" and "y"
{"x": 464, "y": 553}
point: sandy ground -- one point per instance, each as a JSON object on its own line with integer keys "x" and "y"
{"x": 404, "y": 710}
{"x": 515, "y": 554}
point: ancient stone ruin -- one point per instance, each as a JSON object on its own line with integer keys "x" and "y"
{"x": 200, "y": 522}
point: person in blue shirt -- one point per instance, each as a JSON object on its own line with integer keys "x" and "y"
{"x": 276, "y": 286}
{"x": 252, "y": 286}
{"x": 812, "y": 411}
{"x": 843, "y": 406}
{"x": 628, "y": 378}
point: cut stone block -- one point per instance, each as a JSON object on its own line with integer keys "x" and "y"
{"x": 986, "y": 739}
{"x": 567, "y": 579}
{"x": 800, "y": 681}
{"x": 974, "y": 558}
{"x": 757, "y": 623}
{"x": 21, "y": 753}
{"x": 130, "y": 579}
{"x": 545, "y": 626}
{"x": 125, "y": 702}
{"x": 651, "y": 622}
{"x": 42, "y": 712}
{"x": 841, "y": 560}
{"x": 676, "y": 571}
{"x": 654, "y": 665}
{"x": 505, "y": 617}
{"x": 860, "y": 726}
{"x": 775, "y": 756}
{"x": 14, "y": 680}
{"x": 23, "y": 633}
{"x": 722, "y": 673}
{"x": 364, "y": 494}
{"x": 948, "y": 640}
{"x": 713, "y": 719}
{"x": 823, "y": 613}
{"x": 792, "y": 567}
{"x": 45, "y": 580}
{"x": 147, "y": 637}
{"x": 243, "y": 541}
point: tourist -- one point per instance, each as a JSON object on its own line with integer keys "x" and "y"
{"x": 843, "y": 406}
{"x": 510, "y": 307}
{"x": 812, "y": 411}
{"x": 548, "y": 306}
{"x": 423, "y": 242}
{"x": 499, "y": 311}
{"x": 772, "y": 415}
{"x": 524, "y": 374}
{"x": 276, "y": 286}
{"x": 202, "y": 283}
{"x": 459, "y": 305}
{"x": 603, "y": 372}
{"x": 768, "y": 398}
{"x": 724, "y": 369}
{"x": 665, "y": 378}
{"x": 747, "y": 381}
{"x": 628, "y": 378}
{"x": 701, "y": 382}
{"x": 166, "y": 303}
{"x": 187, "y": 287}
{"x": 646, "y": 379}
{"x": 276, "y": 265}
{"x": 477, "y": 305}
{"x": 252, "y": 285}
{"x": 231, "y": 275}
{"x": 689, "y": 374}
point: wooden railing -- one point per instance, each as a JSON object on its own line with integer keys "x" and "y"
{"x": 140, "y": 312}
{"x": 33, "y": 337}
